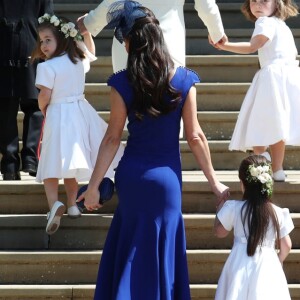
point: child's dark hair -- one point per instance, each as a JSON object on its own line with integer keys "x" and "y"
{"x": 284, "y": 9}
{"x": 258, "y": 211}
{"x": 64, "y": 45}
{"x": 149, "y": 64}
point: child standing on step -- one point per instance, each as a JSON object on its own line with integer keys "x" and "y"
{"x": 253, "y": 269}
{"x": 270, "y": 112}
{"x": 73, "y": 130}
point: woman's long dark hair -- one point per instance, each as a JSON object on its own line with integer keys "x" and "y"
{"x": 149, "y": 66}
{"x": 258, "y": 211}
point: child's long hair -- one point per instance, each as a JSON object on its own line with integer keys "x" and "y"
{"x": 149, "y": 65}
{"x": 284, "y": 9}
{"x": 64, "y": 45}
{"x": 257, "y": 212}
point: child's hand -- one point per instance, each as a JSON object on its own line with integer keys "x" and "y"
{"x": 221, "y": 45}
{"x": 83, "y": 30}
{"x": 221, "y": 191}
{"x": 223, "y": 40}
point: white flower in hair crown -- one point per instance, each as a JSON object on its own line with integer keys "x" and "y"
{"x": 262, "y": 174}
{"x": 68, "y": 29}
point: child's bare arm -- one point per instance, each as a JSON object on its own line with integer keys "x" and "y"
{"x": 285, "y": 248}
{"x": 219, "y": 229}
{"x": 244, "y": 47}
{"x": 89, "y": 42}
{"x": 44, "y": 98}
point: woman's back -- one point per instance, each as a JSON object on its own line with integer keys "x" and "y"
{"x": 154, "y": 136}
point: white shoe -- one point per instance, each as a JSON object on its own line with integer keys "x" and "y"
{"x": 267, "y": 156}
{"x": 279, "y": 175}
{"x": 54, "y": 216}
{"x": 74, "y": 212}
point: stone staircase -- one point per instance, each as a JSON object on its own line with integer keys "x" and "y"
{"x": 34, "y": 266}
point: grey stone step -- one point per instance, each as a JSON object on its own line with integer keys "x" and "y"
{"x": 216, "y": 125}
{"x": 28, "y": 197}
{"x": 214, "y": 69}
{"x": 211, "y": 68}
{"x": 51, "y": 267}
{"x": 196, "y": 41}
{"x": 231, "y": 14}
{"x": 210, "y": 96}
{"x": 223, "y": 159}
{"x": 27, "y": 232}
{"x": 86, "y": 292}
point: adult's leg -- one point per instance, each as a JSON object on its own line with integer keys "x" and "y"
{"x": 9, "y": 141}
{"x": 32, "y": 126}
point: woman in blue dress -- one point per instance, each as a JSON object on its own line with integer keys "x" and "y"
{"x": 145, "y": 251}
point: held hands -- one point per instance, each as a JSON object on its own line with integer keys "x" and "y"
{"x": 220, "y": 44}
{"x": 91, "y": 199}
{"x": 222, "y": 193}
{"x": 83, "y": 30}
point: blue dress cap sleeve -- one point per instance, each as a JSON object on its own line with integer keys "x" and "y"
{"x": 45, "y": 75}
{"x": 226, "y": 215}
{"x": 120, "y": 82}
{"x": 183, "y": 80}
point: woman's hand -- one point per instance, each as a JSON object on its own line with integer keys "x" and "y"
{"x": 91, "y": 199}
{"x": 221, "y": 191}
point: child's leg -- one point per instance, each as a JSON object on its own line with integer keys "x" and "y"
{"x": 277, "y": 152}
{"x": 262, "y": 150}
{"x": 71, "y": 187}
{"x": 51, "y": 189}
{"x": 57, "y": 208}
{"x": 259, "y": 149}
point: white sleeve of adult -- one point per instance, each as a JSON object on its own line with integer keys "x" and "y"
{"x": 95, "y": 21}
{"x": 209, "y": 13}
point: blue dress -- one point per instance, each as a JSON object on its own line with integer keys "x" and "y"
{"x": 144, "y": 256}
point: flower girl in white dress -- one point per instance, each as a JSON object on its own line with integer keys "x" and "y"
{"x": 269, "y": 115}
{"x": 73, "y": 130}
{"x": 253, "y": 270}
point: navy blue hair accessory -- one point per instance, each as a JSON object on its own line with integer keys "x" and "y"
{"x": 106, "y": 190}
{"x": 121, "y": 15}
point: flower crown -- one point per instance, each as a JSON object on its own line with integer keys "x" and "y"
{"x": 262, "y": 174}
{"x": 68, "y": 29}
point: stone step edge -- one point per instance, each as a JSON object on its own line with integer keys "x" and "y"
{"x": 192, "y": 181}
{"x": 78, "y": 7}
{"x": 92, "y": 257}
{"x": 97, "y": 221}
{"x": 202, "y": 60}
{"x": 83, "y": 291}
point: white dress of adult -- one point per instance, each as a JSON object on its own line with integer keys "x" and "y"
{"x": 171, "y": 17}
